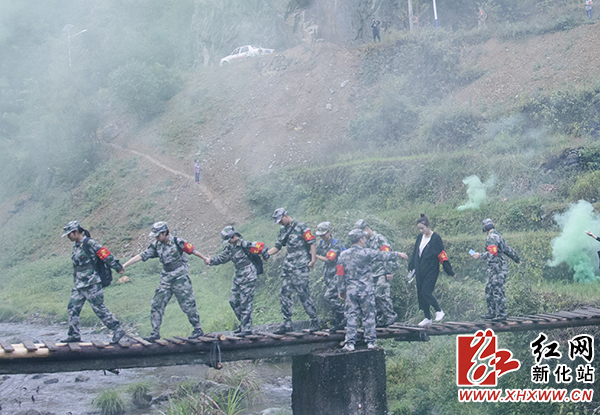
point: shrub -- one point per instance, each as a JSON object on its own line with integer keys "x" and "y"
{"x": 587, "y": 187}
{"x": 143, "y": 89}
{"x": 110, "y": 403}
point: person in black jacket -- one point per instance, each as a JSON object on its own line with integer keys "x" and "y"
{"x": 425, "y": 261}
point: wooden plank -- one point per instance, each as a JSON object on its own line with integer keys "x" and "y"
{"x": 585, "y": 313}
{"x": 459, "y": 323}
{"x": 568, "y": 314}
{"x": 140, "y": 341}
{"x": 174, "y": 341}
{"x": 161, "y": 342}
{"x": 98, "y": 344}
{"x": 295, "y": 334}
{"x": 254, "y": 337}
{"x": 553, "y": 316}
{"x": 74, "y": 347}
{"x": 321, "y": 333}
{"x": 188, "y": 340}
{"x": 124, "y": 343}
{"x": 7, "y": 347}
{"x": 410, "y": 328}
{"x": 270, "y": 335}
{"x": 29, "y": 346}
{"x": 50, "y": 346}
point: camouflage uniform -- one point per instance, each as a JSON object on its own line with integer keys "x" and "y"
{"x": 244, "y": 281}
{"x": 174, "y": 279}
{"x": 354, "y": 270}
{"x": 496, "y": 248}
{"x": 332, "y": 250}
{"x": 294, "y": 276}
{"x": 383, "y": 301}
{"x": 87, "y": 286}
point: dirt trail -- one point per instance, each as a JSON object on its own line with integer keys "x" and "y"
{"x": 218, "y": 205}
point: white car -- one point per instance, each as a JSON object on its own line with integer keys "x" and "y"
{"x": 244, "y": 52}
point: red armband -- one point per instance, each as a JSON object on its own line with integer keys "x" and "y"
{"x": 188, "y": 248}
{"x": 331, "y": 255}
{"x": 443, "y": 257}
{"x": 308, "y": 236}
{"x": 385, "y": 248}
{"x": 103, "y": 253}
{"x": 340, "y": 270}
{"x": 258, "y": 248}
{"x": 492, "y": 249}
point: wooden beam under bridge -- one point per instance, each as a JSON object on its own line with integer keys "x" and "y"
{"x": 213, "y": 349}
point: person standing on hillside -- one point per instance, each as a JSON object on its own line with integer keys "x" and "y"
{"x": 171, "y": 252}
{"x": 428, "y": 254}
{"x": 355, "y": 286}
{"x": 301, "y": 256}
{"x": 588, "y": 8}
{"x": 86, "y": 282}
{"x": 497, "y": 270}
{"x": 375, "y": 26}
{"x": 197, "y": 171}
{"x": 328, "y": 251}
{"x": 383, "y": 272}
{"x": 238, "y": 251}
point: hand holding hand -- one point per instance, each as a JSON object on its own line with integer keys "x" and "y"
{"x": 207, "y": 261}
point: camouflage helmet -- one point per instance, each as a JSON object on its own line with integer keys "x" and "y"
{"x": 279, "y": 214}
{"x": 487, "y": 224}
{"x": 323, "y": 228}
{"x": 158, "y": 228}
{"x": 227, "y": 233}
{"x": 361, "y": 224}
{"x": 70, "y": 227}
{"x": 356, "y": 234}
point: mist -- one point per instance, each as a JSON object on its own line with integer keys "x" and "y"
{"x": 476, "y": 191}
{"x": 573, "y": 247}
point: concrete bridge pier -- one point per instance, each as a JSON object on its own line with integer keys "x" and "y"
{"x": 339, "y": 383}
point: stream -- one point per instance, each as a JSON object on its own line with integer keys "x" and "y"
{"x": 73, "y": 392}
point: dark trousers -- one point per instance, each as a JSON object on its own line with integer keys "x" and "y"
{"x": 425, "y": 287}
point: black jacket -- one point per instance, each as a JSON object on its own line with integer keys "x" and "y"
{"x": 428, "y": 264}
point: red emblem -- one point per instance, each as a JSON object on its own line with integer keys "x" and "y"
{"x": 308, "y": 236}
{"x": 492, "y": 249}
{"x": 385, "y": 248}
{"x": 258, "y": 248}
{"x": 103, "y": 253}
{"x": 188, "y": 248}
{"x": 331, "y": 255}
{"x": 443, "y": 257}
{"x": 340, "y": 270}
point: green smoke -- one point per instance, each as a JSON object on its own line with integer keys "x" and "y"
{"x": 476, "y": 191}
{"x": 573, "y": 246}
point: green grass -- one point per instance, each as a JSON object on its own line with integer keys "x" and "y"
{"x": 110, "y": 403}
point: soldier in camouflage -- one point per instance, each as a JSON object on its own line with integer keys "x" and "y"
{"x": 328, "y": 251}
{"x": 86, "y": 282}
{"x": 237, "y": 250}
{"x": 382, "y": 275}
{"x": 171, "y": 252}
{"x": 497, "y": 270}
{"x": 301, "y": 256}
{"x": 356, "y": 286}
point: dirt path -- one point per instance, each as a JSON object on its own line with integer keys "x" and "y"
{"x": 218, "y": 205}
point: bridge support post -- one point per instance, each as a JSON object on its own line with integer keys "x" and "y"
{"x": 326, "y": 383}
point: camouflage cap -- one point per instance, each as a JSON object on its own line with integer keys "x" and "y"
{"x": 487, "y": 224}
{"x": 158, "y": 228}
{"x": 227, "y": 233}
{"x": 361, "y": 224}
{"x": 70, "y": 227}
{"x": 323, "y": 228}
{"x": 356, "y": 234}
{"x": 279, "y": 214}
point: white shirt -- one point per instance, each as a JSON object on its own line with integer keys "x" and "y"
{"x": 424, "y": 241}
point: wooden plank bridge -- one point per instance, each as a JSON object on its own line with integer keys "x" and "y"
{"x": 213, "y": 349}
